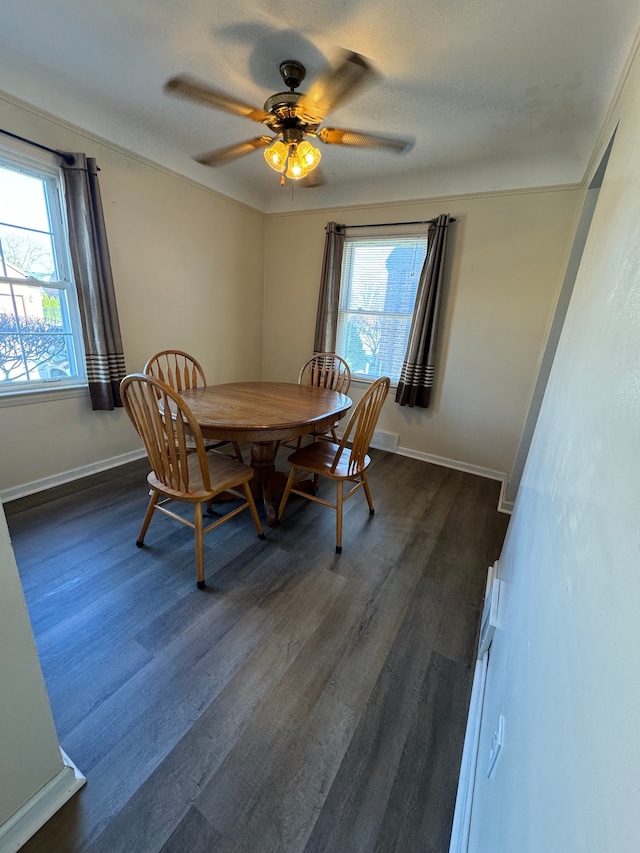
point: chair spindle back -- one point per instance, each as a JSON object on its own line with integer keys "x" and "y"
{"x": 177, "y": 369}
{"x": 160, "y": 417}
{"x": 362, "y": 423}
{"x": 326, "y": 370}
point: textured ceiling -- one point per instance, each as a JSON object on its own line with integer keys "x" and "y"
{"x": 497, "y": 94}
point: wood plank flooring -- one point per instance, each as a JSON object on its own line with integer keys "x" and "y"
{"x": 304, "y": 702}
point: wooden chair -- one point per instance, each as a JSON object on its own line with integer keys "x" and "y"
{"x": 181, "y": 372}
{"x": 336, "y": 461}
{"x": 161, "y": 418}
{"x": 324, "y": 370}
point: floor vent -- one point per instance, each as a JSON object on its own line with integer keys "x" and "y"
{"x": 385, "y": 440}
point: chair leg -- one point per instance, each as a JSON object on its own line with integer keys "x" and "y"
{"x": 238, "y": 452}
{"x": 147, "y": 517}
{"x": 367, "y": 491}
{"x": 197, "y": 520}
{"x": 287, "y": 490}
{"x": 339, "y": 501}
{"x": 253, "y": 510}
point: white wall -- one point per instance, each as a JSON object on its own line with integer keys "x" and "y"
{"x": 506, "y": 258}
{"x": 564, "y": 666}
{"x": 29, "y": 752}
{"x": 188, "y": 268}
{"x": 562, "y": 303}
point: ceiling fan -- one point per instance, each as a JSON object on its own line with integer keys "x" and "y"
{"x": 292, "y": 116}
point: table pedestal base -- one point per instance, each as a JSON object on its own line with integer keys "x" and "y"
{"x": 267, "y": 484}
{"x": 266, "y": 480}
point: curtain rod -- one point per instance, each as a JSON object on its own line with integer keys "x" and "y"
{"x": 68, "y": 158}
{"x": 383, "y": 224}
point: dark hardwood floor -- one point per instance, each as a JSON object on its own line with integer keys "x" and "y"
{"x": 304, "y": 701}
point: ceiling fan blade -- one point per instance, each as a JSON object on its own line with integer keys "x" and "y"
{"x": 187, "y": 87}
{"x": 224, "y": 155}
{"x": 339, "y": 136}
{"x": 337, "y": 86}
{"x": 313, "y": 179}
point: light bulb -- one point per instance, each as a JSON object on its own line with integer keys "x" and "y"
{"x": 276, "y": 155}
{"x": 295, "y": 167}
{"x": 309, "y": 156}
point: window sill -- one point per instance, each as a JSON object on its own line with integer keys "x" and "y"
{"x": 41, "y": 395}
{"x": 363, "y": 382}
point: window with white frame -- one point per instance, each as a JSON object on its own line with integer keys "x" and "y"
{"x": 40, "y": 333}
{"x": 377, "y": 297}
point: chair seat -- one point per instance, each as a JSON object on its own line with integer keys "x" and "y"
{"x": 325, "y": 432}
{"x": 318, "y": 459}
{"x": 225, "y": 473}
{"x": 209, "y": 443}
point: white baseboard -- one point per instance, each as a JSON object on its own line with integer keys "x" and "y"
{"x": 503, "y": 504}
{"x": 25, "y": 489}
{"x": 461, "y": 830}
{"x": 15, "y": 832}
{"x": 35, "y": 486}
{"x": 467, "y": 468}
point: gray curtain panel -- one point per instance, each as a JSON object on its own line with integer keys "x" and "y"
{"x": 416, "y": 378}
{"x": 94, "y": 281}
{"x": 327, "y": 316}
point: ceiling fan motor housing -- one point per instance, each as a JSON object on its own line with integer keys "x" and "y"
{"x": 287, "y": 112}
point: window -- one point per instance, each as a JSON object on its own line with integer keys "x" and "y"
{"x": 40, "y": 335}
{"x": 377, "y": 295}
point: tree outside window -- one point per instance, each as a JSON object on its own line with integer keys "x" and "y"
{"x": 40, "y": 337}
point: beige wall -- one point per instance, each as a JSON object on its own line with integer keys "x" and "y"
{"x": 507, "y": 255}
{"x": 563, "y": 667}
{"x": 188, "y": 269}
{"x": 197, "y": 271}
{"x": 28, "y": 741}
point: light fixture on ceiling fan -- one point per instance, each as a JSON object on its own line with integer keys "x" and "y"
{"x": 292, "y": 155}
{"x": 293, "y": 116}
{"x": 295, "y": 155}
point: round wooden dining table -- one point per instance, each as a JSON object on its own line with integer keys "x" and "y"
{"x": 265, "y": 413}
